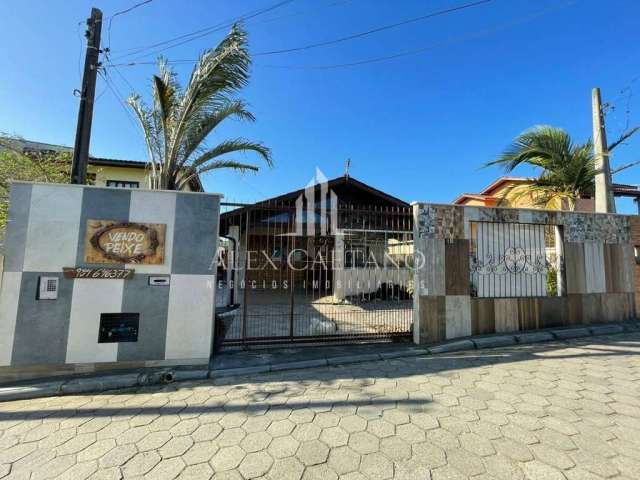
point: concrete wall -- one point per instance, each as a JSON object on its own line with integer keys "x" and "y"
{"x": 599, "y": 273}
{"x": 635, "y": 238}
{"x": 46, "y": 232}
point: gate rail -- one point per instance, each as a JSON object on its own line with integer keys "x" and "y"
{"x": 295, "y": 284}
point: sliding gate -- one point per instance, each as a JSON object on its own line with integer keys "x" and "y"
{"x": 325, "y": 275}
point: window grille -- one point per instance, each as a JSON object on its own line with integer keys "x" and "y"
{"x": 516, "y": 260}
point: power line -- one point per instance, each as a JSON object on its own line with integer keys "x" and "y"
{"x": 341, "y": 39}
{"x": 301, "y": 12}
{"x": 375, "y": 30}
{"x": 123, "y": 12}
{"x": 451, "y": 41}
{"x": 454, "y": 40}
{"x": 116, "y": 93}
{"x": 117, "y": 70}
{"x": 189, "y": 37}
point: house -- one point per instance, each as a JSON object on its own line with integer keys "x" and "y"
{"x": 337, "y": 239}
{"x": 102, "y": 172}
{"x": 514, "y": 192}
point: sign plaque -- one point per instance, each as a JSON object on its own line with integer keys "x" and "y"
{"x": 109, "y": 241}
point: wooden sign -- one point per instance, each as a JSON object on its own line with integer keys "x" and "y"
{"x": 123, "y": 242}
{"x": 98, "y": 273}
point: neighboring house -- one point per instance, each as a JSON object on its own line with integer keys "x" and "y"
{"x": 102, "y": 172}
{"x": 324, "y": 240}
{"x": 513, "y": 192}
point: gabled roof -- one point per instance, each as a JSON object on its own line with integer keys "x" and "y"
{"x": 487, "y": 193}
{"x": 339, "y": 183}
{"x": 342, "y": 181}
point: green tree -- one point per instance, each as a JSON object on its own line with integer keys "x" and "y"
{"x": 179, "y": 120}
{"x": 567, "y": 168}
{"x": 14, "y": 165}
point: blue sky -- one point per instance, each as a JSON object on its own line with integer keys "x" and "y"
{"x": 419, "y": 126}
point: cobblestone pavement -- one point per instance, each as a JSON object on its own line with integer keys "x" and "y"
{"x": 547, "y": 412}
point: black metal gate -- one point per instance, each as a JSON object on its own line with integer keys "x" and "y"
{"x": 325, "y": 274}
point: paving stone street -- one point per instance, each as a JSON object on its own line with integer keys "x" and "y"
{"x": 543, "y": 412}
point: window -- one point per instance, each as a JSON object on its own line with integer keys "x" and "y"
{"x": 122, "y": 184}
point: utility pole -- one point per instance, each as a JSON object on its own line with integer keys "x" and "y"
{"x": 604, "y": 193}
{"x": 87, "y": 96}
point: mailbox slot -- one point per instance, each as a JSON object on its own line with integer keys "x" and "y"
{"x": 118, "y": 327}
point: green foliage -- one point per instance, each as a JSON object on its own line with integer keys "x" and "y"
{"x": 552, "y": 282}
{"x": 179, "y": 120}
{"x": 50, "y": 168}
{"x": 567, "y": 169}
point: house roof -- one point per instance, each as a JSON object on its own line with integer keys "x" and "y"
{"x": 338, "y": 183}
{"x": 487, "y": 193}
{"x": 622, "y": 190}
{"x": 31, "y": 146}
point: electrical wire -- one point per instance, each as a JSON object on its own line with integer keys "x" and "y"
{"x": 116, "y": 93}
{"x": 189, "y": 37}
{"x": 450, "y": 41}
{"x": 82, "y": 48}
{"x": 300, "y": 12}
{"x": 375, "y": 30}
{"x": 123, "y": 12}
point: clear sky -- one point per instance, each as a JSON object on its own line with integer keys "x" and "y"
{"x": 419, "y": 126}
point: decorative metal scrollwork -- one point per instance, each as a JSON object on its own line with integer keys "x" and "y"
{"x": 514, "y": 260}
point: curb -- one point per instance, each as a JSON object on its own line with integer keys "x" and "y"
{"x": 456, "y": 346}
{"x": 129, "y": 380}
{"x": 535, "y": 337}
{"x": 568, "y": 333}
{"x": 492, "y": 342}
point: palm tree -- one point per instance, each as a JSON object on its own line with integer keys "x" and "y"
{"x": 567, "y": 169}
{"x": 179, "y": 120}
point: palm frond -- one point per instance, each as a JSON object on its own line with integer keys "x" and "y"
{"x": 180, "y": 120}
{"x": 190, "y": 173}
{"x": 233, "y": 146}
{"x": 566, "y": 169}
{"x": 204, "y": 125}
{"x": 542, "y": 146}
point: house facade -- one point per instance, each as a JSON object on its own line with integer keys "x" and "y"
{"x": 515, "y": 192}
{"x": 340, "y": 238}
{"x": 101, "y": 172}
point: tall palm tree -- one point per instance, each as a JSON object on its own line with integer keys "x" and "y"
{"x": 180, "y": 119}
{"x": 567, "y": 169}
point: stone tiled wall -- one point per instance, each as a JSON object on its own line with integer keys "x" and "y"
{"x": 635, "y": 239}
{"x": 599, "y": 273}
{"x": 46, "y": 232}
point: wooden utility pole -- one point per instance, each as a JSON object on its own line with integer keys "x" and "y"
{"x": 87, "y": 96}
{"x": 604, "y": 193}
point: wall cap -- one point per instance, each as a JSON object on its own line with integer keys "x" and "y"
{"x": 451, "y": 205}
{"x": 72, "y": 185}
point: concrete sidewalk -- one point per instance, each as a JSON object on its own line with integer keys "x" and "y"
{"x": 242, "y": 363}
